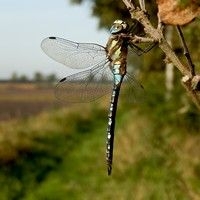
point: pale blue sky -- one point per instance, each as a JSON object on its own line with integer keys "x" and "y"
{"x": 23, "y": 25}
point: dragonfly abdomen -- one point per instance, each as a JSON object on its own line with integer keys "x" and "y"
{"x": 111, "y": 126}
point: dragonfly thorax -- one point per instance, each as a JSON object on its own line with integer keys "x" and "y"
{"x": 117, "y": 52}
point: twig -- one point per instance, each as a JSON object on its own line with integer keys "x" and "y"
{"x": 129, "y": 5}
{"x": 187, "y": 83}
{"x": 142, "y": 5}
{"x": 157, "y": 35}
{"x": 186, "y": 51}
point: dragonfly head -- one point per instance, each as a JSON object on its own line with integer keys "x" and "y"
{"x": 119, "y": 26}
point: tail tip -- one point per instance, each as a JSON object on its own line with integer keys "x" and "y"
{"x": 109, "y": 170}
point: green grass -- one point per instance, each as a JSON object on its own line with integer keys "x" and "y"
{"x": 60, "y": 154}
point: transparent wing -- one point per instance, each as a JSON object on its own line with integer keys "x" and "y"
{"x": 85, "y": 86}
{"x": 72, "y": 54}
{"x": 131, "y": 90}
{"x": 91, "y": 84}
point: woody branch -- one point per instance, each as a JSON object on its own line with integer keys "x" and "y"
{"x": 156, "y": 34}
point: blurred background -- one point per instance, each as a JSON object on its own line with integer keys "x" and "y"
{"x": 50, "y": 150}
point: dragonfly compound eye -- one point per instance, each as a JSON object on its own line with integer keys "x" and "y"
{"x": 118, "y": 27}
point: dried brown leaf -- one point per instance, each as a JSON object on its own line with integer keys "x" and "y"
{"x": 174, "y": 13}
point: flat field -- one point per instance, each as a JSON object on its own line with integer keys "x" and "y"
{"x": 18, "y": 100}
{"x": 21, "y": 100}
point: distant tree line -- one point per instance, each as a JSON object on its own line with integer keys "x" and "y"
{"x": 38, "y": 77}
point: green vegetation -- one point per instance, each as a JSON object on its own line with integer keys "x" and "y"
{"x": 60, "y": 154}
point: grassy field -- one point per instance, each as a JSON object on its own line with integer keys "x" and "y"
{"x": 59, "y": 153}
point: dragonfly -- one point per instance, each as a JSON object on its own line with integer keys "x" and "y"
{"x": 97, "y": 66}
